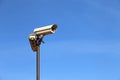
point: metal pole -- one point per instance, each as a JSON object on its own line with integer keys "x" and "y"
{"x": 38, "y": 63}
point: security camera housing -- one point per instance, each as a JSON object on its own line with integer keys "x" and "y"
{"x": 40, "y": 33}
{"x": 50, "y": 29}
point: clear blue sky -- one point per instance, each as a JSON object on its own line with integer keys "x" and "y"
{"x": 86, "y": 45}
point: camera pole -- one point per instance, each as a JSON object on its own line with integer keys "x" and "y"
{"x": 38, "y": 63}
{"x": 38, "y": 42}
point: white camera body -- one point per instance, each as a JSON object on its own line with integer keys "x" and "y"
{"x": 50, "y": 29}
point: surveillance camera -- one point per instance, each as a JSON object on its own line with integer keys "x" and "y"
{"x": 50, "y": 29}
{"x": 36, "y": 38}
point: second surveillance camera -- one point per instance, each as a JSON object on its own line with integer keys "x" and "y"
{"x": 50, "y": 29}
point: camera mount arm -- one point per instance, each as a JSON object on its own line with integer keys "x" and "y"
{"x": 39, "y": 40}
{"x": 35, "y": 41}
